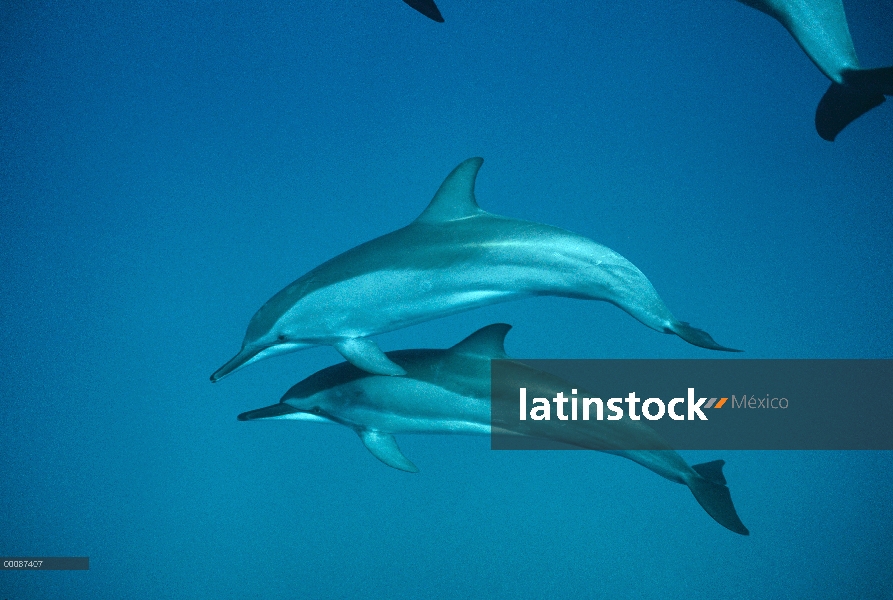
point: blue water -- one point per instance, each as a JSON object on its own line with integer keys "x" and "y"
{"x": 166, "y": 167}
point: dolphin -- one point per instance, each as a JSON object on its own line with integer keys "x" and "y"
{"x": 820, "y": 28}
{"x": 448, "y": 391}
{"x": 452, "y": 258}
{"x": 427, "y": 8}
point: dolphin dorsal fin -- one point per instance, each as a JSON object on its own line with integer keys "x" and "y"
{"x": 487, "y": 341}
{"x": 455, "y": 198}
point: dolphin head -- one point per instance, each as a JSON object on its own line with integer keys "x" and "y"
{"x": 328, "y": 392}
{"x": 264, "y": 338}
{"x": 342, "y": 394}
{"x": 319, "y": 398}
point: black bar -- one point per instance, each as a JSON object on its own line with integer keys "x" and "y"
{"x": 44, "y": 563}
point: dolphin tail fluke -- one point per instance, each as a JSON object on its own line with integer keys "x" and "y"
{"x": 709, "y": 489}
{"x": 427, "y": 8}
{"x": 365, "y": 354}
{"x": 842, "y": 104}
{"x": 697, "y": 337}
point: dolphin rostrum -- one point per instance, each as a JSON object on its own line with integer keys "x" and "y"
{"x": 820, "y": 28}
{"x": 448, "y": 391}
{"x": 452, "y": 258}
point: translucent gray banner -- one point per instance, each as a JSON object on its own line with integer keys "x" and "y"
{"x": 692, "y": 404}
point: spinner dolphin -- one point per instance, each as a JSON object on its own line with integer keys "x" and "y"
{"x": 452, "y": 258}
{"x": 427, "y": 8}
{"x": 448, "y": 391}
{"x": 820, "y": 28}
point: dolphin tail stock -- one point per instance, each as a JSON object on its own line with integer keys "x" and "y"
{"x": 862, "y": 90}
{"x": 427, "y": 8}
{"x": 697, "y": 337}
{"x": 708, "y": 485}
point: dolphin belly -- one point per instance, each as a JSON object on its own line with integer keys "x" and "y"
{"x": 398, "y": 405}
{"x": 398, "y": 424}
{"x": 386, "y": 300}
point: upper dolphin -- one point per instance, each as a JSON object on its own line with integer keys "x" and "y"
{"x": 448, "y": 391}
{"x": 821, "y": 29}
{"x": 452, "y": 258}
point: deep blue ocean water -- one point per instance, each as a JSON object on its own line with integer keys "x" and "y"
{"x": 166, "y": 167}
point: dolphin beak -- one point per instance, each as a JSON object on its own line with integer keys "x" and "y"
{"x": 277, "y": 411}
{"x": 250, "y": 353}
{"x": 282, "y": 411}
{"x": 245, "y": 356}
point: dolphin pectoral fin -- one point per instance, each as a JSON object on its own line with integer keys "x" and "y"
{"x": 842, "y": 104}
{"x": 427, "y": 8}
{"x": 697, "y": 337}
{"x": 709, "y": 489}
{"x": 365, "y": 354}
{"x": 384, "y": 447}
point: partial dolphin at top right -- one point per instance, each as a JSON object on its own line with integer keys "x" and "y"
{"x": 821, "y": 29}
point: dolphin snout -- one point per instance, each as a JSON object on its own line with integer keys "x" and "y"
{"x": 277, "y": 411}
{"x": 253, "y": 352}
{"x": 235, "y": 363}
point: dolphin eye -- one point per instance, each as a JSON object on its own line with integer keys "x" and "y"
{"x": 317, "y": 409}
{"x": 281, "y": 337}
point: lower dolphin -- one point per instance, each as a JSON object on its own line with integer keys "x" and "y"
{"x": 448, "y": 391}
{"x": 453, "y": 257}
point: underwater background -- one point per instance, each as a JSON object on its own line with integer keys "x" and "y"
{"x": 167, "y": 167}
